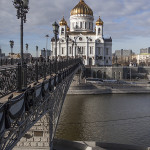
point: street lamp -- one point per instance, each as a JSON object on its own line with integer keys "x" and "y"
{"x": 55, "y": 30}
{"x": 75, "y": 38}
{"x": 27, "y": 48}
{"x": 88, "y": 39}
{"x": 72, "y": 47}
{"x": 22, "y": 7}
{"x": 47, "y": 36}
{"x": 11, "y": 46}
{"x": 44, "y": 54}
{"x": 67, "y": 47}
{"x": 37, "y": 51}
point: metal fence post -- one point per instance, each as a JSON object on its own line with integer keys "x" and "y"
{"x": 36, "y": 71}
{"x": 24, "y": 76}
{"x": 50, "y": 67}
{"x": 44, "y": 69}
{"x": 1, "y": 62}
{"x": 19, "y": 76}
{"x": 55, "y": 66}
{"x": 11, "y": 61}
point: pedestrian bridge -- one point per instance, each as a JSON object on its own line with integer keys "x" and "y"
{"x": 37, "y": 89}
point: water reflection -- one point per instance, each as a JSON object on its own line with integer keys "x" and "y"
{"x": 122, "y": 118}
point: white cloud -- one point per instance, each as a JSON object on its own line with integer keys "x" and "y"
{"x": 123, "y": 19}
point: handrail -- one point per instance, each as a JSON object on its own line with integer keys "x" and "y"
{"x": 17, "y": 79}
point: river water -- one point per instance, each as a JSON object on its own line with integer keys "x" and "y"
{"x": 111, "y": 118}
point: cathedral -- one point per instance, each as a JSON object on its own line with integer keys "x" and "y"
{"x": 83, "y": 38}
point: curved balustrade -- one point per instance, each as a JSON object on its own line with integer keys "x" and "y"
{"x": 16, "y": 111}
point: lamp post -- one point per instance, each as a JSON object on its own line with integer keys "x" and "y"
{"x": 11, "y": 46}
{"x": 37, "y": 51}
{"x": 75, "y": 38}
{"x": 44, "y": 54}
{"x": 27, "y": 48}
{"x": 72, "y": 47}
{"x": 55, "y": 30}
{"x": 130, "y": 73}
{"x": 88, "y": 39}
{"x": 22, "y": 7}
{"x": 47, "y": 36}
{"x": 67, "y": 47}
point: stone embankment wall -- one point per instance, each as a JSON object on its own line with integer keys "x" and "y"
{"x": 117, "y": 73}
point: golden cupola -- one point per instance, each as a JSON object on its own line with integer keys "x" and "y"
{"x": 63, "y": 22}
{"x": 82, "y": 8}
{"x": 99, "y": 22}
{"x": 68, "y": 29}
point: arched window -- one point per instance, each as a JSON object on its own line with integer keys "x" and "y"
{"x": 99, "y": 31}
{"x": 90, "y": 50}
{"x": 85, "y": 25}
{"x": 70, "y": 50}
{"x": 76, "y": 25}
{"x": 62, "y": 31}
{"x": 81, "y": 25}
{"x": 62, "y": 51}
{"x": 114, "y": 75}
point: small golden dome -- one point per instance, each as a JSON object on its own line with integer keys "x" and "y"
{"x": 63, "y": 22}
{"x": 99, "y": 22}
{"x": 68, "y": 29}
{"x": 81, "y": 8}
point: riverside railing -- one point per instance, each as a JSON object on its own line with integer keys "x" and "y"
{"x": 17, "y": 78}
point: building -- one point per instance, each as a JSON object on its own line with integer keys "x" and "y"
{"x": 18, "y": 56}
{"x": 45, "y": 53}
{"x": 83, "y": 41}
{"x": 2, "y": 55}
{"x": 123, "y": 57}
{"x": 145, "y": 50}
{"x": 123, "y": 53}
{"x": 143, "y": 59}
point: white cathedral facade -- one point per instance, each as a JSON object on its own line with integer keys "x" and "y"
{"x": 84, "y": 41}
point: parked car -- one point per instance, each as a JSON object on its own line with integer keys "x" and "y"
{"x": 94, "y": 80}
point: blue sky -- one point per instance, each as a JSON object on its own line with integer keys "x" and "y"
{"x": 126, "y": 21}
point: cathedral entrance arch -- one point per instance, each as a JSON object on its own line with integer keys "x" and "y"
{"x": 90, "y": 61}
{"x": 99, "y": 74}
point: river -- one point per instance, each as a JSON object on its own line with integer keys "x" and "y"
{"x": 111, "y": 118}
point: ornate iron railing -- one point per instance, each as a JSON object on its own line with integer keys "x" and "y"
{"x": 5, "y": 62}
{"x": 19, "y": 77}
{"x": 19, "y": 114}
{"x": 8, "y": 81}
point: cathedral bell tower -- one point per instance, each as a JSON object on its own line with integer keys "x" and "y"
{"x": 63, "y": 28}
{"x": 99, "y": 28}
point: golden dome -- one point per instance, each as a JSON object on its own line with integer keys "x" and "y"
{"x": 82, "y": 8}
{"x": 99, "y": 22}
{"x": 68, "y": 29}
{"x": 63, "y": 22}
